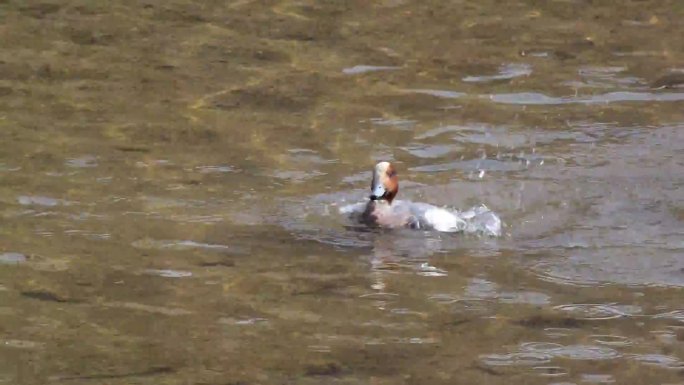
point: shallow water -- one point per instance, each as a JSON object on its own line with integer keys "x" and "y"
{"x": 172, "y": 174}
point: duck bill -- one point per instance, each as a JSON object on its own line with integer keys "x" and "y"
{"x": 377, "y": 192}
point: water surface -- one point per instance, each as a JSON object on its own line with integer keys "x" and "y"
{"x": 172, "y": 174}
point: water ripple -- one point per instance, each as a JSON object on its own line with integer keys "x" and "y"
{"x": 442, "y": 298}
{"x": 550, "y": 371}
{"x": 438, "y": 93}
{"x": 360, "y": 69}
{"x": 86, "y": 161}
{"x": 677, "y": 315}
{"x": 168, "y": 273}
{"x": 473, "y": 165}
{"x": 587, "y": 352}
{"x": 217, "y": 169}
{"x": 426, "y": 270}
{"x": 37, "y": 200}
{"x": 399, "y": 123}
{"x": 475, "y": 306}
{"x": 533, "y": 98}
{"x": 506, "y": 72}
{"x": 21, "y": 344}
{"x": 516, "y": 359}
{"x": 535, "y": 353}
{"x": 148, "y": 243}
{"x": 12, "y": 258}
{"x": 611, "y": 340}
{"x": 598, "y": 378}
{"x": 242, "y": 321}
{"x": 660, "y": 360}
{"x": 148, "y": 308}
{"x": 558, "y": 332}
{"x": 599, "y": 311}
{"x": 380, "y": 296}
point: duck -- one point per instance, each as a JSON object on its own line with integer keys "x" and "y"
{"x": 382, "y": 210}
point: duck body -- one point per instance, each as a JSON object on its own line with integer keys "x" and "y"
{"x": 382, "y": 210}
{"x": 414, "y": 215}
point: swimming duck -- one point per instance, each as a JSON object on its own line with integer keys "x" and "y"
{"x": 382, "y": 210}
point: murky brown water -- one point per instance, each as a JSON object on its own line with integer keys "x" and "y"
{"x": 172, "y": 170}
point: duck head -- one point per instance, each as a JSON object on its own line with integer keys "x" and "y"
{"x": 385, "y": 185}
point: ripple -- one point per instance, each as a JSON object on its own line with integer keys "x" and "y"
{"x": 637, "y": 53}
{"x": 438, "y": 93}
{"x": 600, "y": 72}
{"x": 558, "y": 332}
{"x": 599, "y": 311}
{"x": 672, "y": 80}
{"x": 168, "y": 273}
{"x": 374, "y": 341}
{"x": 473, "y": 165}
{"x": 12, "y": 258}
{"x": 527, "y": 297}
{"x": 592, "y": 264}
{"x": 665, "y": 336}
{"x": 476, "y": 306}
{"x": 89, "y": 235}
{"x": 217, "y": 169}
{"x": 415, "y": 340}
{"x": 425, "y": 151}
{"x": 154, "y": 203}
{"x": 21, "y": 344}
{"x": 380, "y": 296}
{"x": 611, "y": 340}
{"x": 37, "y": 200}
{"x": 660, "y": 360}
{"x": 45, "y": 233}
{"x": 444, "y": 299}
{"x": 439, "y": 131}
{"x": 481, "y": 288}
{"x": 426, "y": 270}
{"x": 243, "y": 321}
{"x": 515, "y": 359}
{"x": 320, "y": 348}
{"x": 540, "y": 347}
{"x": 550, "y": 371}
{"x": 506, "y": 72}
{"x": 360, "y": 69}
{"x": 547, "y": 271}
{"x": 189, "y": 218}
{"x": 153, "y": 162}
{"x": 406, "y": 311}
{"x": 603, "y": 77}
{"x": 148, "y": 243}
{"x": 532, "y": 98}
{"x": 677, "y": 315}
{"x": 86, "y": 161}
{"x": 148, "y": 308}
{"x": 6, "y": 168}
{"x": 598, "y": 378}
{"x": 587, "y": 352}
{"x": 573, "y": 352}
{"x": 296, "y": 176}
{"x": 401, "y": 123}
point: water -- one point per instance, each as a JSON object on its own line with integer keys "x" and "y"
{"x": 173, "y": 171}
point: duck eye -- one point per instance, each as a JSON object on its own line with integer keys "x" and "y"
{"x": 391, "y": 173}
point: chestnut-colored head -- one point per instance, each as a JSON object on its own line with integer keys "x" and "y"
{"x": 385, "y": 185}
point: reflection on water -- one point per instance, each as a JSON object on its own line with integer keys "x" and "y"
{"x": 174, "y": 171}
